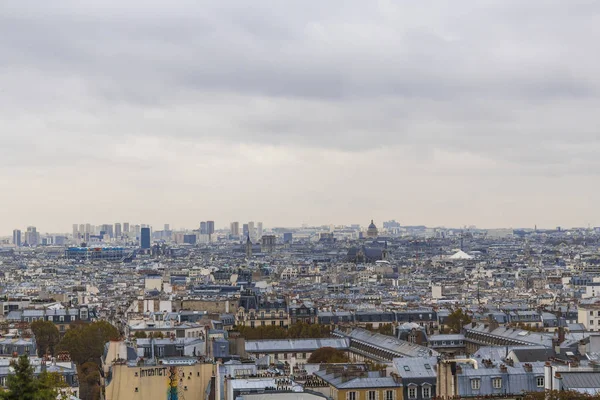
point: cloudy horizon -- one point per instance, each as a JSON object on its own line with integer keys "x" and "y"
{"x": 446, "y": 114}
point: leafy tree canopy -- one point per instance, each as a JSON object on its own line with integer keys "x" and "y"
{"x": 328, "y": 355}
{"x": 46, "y": 337}
{"x": 23, "y": 385}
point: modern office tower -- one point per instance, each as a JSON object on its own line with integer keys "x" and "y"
{"x": 88, "y": 228}
{"x": 259, "y": 229}
{"x": 167, "y": 228}
{"x": 126, "y": 228}
{"x": 81, "y": 229}
{"x": 251, "y": 231}
{"x": 288, "y": 237}
{"x": 203, "y": 229}
{"x": 17, "y": 237}
{"x": 108, "y": 230}
{"x": 75, "y": 231}
{"x": 245, "y": 230}
{"x": 210, "y": 227}
{"x": 145, "y": 238}
{"x": 136, "y": 230}
{"x": 31, "y": 236}
{"x": 234, "y": 227}
{"x": 118, "y": 232}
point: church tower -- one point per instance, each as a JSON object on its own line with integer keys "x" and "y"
{"x": 248, "y": 247}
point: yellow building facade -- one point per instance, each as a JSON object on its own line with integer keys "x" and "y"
{"x": 157, "y": 382}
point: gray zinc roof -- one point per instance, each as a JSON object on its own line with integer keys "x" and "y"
{"x": 294, "y": 345}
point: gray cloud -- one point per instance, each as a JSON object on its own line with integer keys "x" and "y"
{"x": 476, "y": 90}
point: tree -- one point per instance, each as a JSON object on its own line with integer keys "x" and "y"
{"x": 46, "y": 337}
{"x": 295, "y": 331}
{"x": 140, "y": 335}
{"x": 328, "y": 355}
{"x": 85, "y": 343}
{"x": 457, "y": 320}
{"x": 23, "y": 385}
{"x": 51, "y": 384}
{"x": 89, "y": 381}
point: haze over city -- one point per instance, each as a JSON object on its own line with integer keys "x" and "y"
{"x": 338, "y": 112}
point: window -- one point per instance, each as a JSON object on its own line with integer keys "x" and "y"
{"x": 412, "y": 392}
{"x": 372, "y": 395}
{"x": 390, "y": 395}
{"x": 272, "y": 322}
{"x": 497, "y": 383}
{"x": 539, "y": 381}
{"x": 61, "y": 318}
{"x": 426, "y": 392}
{"x": 591, "y": 313}
{"x": 475, "y": 384}
{"x": 303, "y": 355}
{"x": 351, "y": 396}
{"x": 280, "y": 323}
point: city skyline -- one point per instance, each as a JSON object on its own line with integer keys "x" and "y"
{"x": 219, "y": 227}
{"x": 311, "y": 112}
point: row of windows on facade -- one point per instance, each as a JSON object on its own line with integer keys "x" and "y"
{"x": 372, "y": 395}
{"x": 450, "y": 342}
{"x": 285, "y": 355}
{"x": 262, "y": 315}
{"x": 497, "y": 383}
{"x": 50, "y": 318}
{"x": 262, "y": 323}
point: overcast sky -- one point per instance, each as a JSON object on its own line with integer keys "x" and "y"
{"x": 446, "y": 113}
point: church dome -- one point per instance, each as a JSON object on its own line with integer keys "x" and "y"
{"x": 372, "y": 230}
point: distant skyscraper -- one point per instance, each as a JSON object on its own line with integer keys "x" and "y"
{"x": 245, "y": 230}
{"x": 288, "y": 237}
{"x": 234, "y": 227}
{"x": 31, "y": 236}
{"x": 81, "y": 229}
{"x": 210, "y": 227}
{"x": 126, "y": 228}
{"x": 259, "y": 229}
{"x": 118, "y": 232}
{"x": 17, "y": 237}
{"x": 145, "y": 238}
{"x": 75, "y": 231}
{"x": 108, "y": 230}
{"x": 167, "y": 228}
{"x": 88, "y": 228}
{"x": 203, "y": 230}
{"x": 136, "y": 230}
